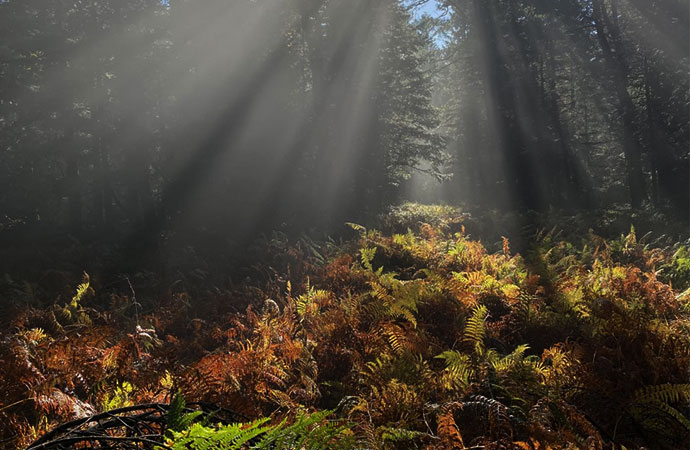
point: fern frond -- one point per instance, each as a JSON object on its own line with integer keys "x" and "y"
{"x": 401, "y": 434}
{"x": 82, "y": 290}
{"x": 506, "y": 363}
{"x": 475, "y": 330}
{"x": 367, "y": 256}
{"x": 673, "y": 412}
{"x": 234, "y": 436}
{"x": 310, "y": 302}
{"x": 458, "y": 369}
{"x": 448, "y": 430}
{"x": 309, "y": 431}
{"x": 664, "y": 393}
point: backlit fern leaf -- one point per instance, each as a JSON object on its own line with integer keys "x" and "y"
{"x": 367, "y": 256}
{"x": 400, "y": 298}
{"x": 235, "y": 436}
{"x": 73, "y": 311}
{"x": 310, "y": 302}
{"x": 506, "y": 363}
{"x": 475, "y": 330}
{"x": 458, "y": 369}
{"x": 396, "y": 339}
{"x": 308, "y": 431}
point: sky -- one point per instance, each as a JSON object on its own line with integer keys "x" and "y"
{"x": 430, "y": 8}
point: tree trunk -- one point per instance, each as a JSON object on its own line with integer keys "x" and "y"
{"x": 502, "y": 111}
{"x": 617, "y": 67}
{"x": 652, "y": 144}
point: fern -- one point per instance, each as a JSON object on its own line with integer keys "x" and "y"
{"x": 508, "y": 362}
{"x": 401, "y": 434}
{"x": 673, "y": 412}
{"x": 399, "y": 298}
{"x": 309, "y": 303}
{"x": 120, "y": 397}
{"x": 82, "y": 290}
{"x": 358, "y": 228}
{"x": 308, "y": 432}
{"x": 200, "y": 437}
{"x": 448, "y": 430}
{"x": 475, "y": 330}
{"x": 177, "y": 418}
{"x": 661, "y": 397}
{"x": 366, "y": 335}
{"x": 498, "y": 415}
{"x": 664, "y": 393}
{"x": 367, "y": 256}
{"x": 458, "y": 369}
{"x": 73, "y": 311}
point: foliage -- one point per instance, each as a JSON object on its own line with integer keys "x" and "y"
{"x": 96, "y": 148}
{"x": 307, "y": 431}
{"x": 677, "y": 271}
{"x": 423, "y": 339}
{"x": 566, "y": 104}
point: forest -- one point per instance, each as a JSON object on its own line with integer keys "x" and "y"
{"x": 345, "y": 224}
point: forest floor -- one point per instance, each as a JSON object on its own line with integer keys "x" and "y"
{"x": 414, "y": 336}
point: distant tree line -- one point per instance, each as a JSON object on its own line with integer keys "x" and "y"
{"x": 567, "y": 103}
{"x": 128, "y": 117}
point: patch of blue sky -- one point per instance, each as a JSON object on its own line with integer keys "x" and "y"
{"x": 429, "y": 7}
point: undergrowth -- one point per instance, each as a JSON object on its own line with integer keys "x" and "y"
{"x": 415, "y": 338}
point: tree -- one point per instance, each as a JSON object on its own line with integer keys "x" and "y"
{"x": 568, "y": 87}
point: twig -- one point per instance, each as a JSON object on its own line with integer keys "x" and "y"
{"x": 134, "y": 300}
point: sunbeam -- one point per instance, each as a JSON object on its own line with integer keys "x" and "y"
{"x": 344, "y": 224}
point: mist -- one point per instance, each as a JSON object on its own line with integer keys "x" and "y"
{"x": 132, "y": 122}
{"x": 344, "y": 224}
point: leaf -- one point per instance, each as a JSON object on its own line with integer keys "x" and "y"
{"x": 475, "y": 331}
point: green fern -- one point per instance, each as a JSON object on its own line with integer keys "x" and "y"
{"x": 475, "y": 330}
{"x": 309, "y": 432}
{"x": 506, "y": 363}
{"x": 367, "y": 256}
{"x": 660, "y": 397}
{"x": 401, "y": 435}
{"x": 177, "y": 418}
{"x": 664, "y": 393}
{"x": 673, "y": 412}
{"x": 120, "y": 397}
{"x": 82, "y": 290}
{"x": 309, "y": 302}
{"x": 73, "y": 311}
{"x": 400, "y": 298}
{"x": 458, "y": 369}
{"x": 235, "y": 436}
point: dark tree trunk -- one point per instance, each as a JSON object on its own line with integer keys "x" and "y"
{"x": 652, "y": 143}
{"x": 577, "y": 184}
{"x": 619, "y": 71}
{"x": 502, "y": 111}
